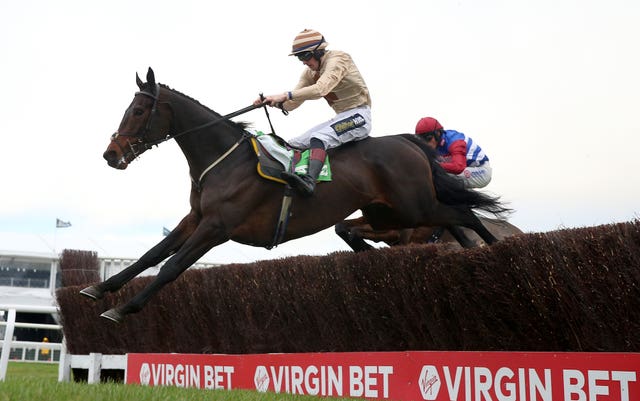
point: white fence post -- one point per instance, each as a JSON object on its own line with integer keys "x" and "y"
{"x": 6, "y": 344}
{"x": 64, "y": 365}
{"x": 95, "y": 365}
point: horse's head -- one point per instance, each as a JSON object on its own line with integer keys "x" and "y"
{"x": 143, "y": 125}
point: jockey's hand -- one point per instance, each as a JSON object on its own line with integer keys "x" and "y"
{"x": 272, "y": 100}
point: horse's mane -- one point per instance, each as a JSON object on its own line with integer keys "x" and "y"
{"x": 237, "y": 125}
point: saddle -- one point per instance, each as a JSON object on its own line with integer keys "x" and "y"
{"x": 276, "y": 156}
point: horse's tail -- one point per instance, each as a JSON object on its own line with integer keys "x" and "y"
{"x": 451, "y": 191}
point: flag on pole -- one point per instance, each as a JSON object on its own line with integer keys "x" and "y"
{"x": 165, "y": 231}
{"x": 62, "y": 224}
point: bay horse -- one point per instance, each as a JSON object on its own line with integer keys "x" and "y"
{"x": 356, "y": 230}
{"x": 387, "y": 178}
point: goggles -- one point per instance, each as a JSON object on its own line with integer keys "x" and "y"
{"x": 428, "y": 135}
{"x": 305, "y": 56}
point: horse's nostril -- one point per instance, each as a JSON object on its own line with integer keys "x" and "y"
{"x": 109, "y": 156}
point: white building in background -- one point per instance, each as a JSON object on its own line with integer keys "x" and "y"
{"x": 28, "y": 278}
{"x": 31, "y": 279}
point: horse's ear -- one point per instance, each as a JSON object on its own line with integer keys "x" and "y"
{"x": 151, "y": 78}
{"x": 139, "y": 81}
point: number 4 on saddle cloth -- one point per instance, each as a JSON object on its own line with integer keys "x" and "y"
{"x": 275, "y": 156}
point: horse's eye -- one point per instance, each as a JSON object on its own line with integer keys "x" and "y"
{"x": 138, "y": 111}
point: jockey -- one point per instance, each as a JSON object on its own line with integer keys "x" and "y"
{"x": 459, "y": 154}
{"x": 333, "y": 75}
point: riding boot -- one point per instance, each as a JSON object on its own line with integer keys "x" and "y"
{"x": 305, "y": 184}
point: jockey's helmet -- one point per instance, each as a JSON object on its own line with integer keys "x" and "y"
{"x": 428, "y": 125}
{"x": 308, "y": 41}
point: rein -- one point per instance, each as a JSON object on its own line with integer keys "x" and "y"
{"x": 214, "y": 122}
{"x": 208, "y": 124}
{"x": 148, "y": 145}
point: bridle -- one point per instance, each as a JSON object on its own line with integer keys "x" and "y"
{"x": 140, "y": 142}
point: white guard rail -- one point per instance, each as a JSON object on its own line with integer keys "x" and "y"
{"x": 10, "y": 324}
{"x": 93, "y": 362}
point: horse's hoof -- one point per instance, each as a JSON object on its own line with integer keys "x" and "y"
{"x": 92, "y": 292}
{"x": 114, "y": 315}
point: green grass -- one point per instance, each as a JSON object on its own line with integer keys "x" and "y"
{"x": 39, "y": 382}
{"x": 32, "y": 370}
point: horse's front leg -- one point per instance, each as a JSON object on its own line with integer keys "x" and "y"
{"x": 451, "y": 216}
{"x": 461, "y": 237}
{"x": 477, "y": 226}
{"x": 345, "y": 230}
{"x": 205, "y": 237}
{"x": 152, "y": 257}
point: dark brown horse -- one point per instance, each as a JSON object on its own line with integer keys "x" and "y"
{"x": 358, "y": 229}
{"x": 230, "y": 201}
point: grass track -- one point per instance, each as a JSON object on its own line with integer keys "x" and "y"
{"x": 39, "y": 382}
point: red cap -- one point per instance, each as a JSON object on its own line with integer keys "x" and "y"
{"x": 427, "y": 124}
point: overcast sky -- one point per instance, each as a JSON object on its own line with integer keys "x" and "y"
{"x": 549, "y": 88}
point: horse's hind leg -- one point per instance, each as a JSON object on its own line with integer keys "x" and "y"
{"x": 152, "y": 257}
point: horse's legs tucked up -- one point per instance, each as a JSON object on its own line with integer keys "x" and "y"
{"x": 152, "y": 257}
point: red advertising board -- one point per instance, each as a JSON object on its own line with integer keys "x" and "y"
{"x": 420, "y": 375}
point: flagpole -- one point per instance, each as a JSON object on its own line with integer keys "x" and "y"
{"x": 59, "y": 224}
{"x": 55, "y": 241}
